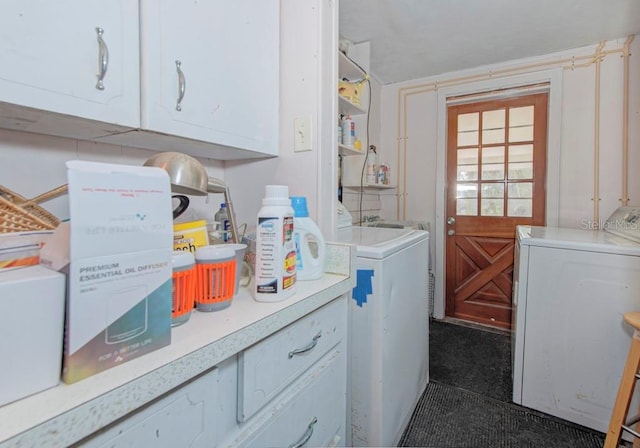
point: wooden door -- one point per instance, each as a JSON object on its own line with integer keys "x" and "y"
{"x": 496, "y": 164}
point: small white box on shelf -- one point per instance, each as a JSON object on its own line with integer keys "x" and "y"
{"x": 32, "y": 303}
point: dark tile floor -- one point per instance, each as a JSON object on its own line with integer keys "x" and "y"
{"x": 468, "y": 402}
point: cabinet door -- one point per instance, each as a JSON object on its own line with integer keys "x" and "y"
{"x": 184, "y": 418}
{"x": 269, "y": 366}
{"x": 227, "y": 53}
{"x": 50, "y": 58}
{"x": 313, "y": 415}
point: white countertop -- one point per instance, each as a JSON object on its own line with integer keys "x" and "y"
{"x": 65, "y": 414}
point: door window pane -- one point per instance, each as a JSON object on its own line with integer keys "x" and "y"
{"x": 493, "y": 122}
{"x": 467, "y": 191}
{"x": 521, "y": 153}
{"x": 492, "y": 207}
{"x": 493, "y": 191}
{"x": 468, "y": 125}
{"x": 492, "y": 202}
{"x": 521, "y": 124}
{"x": 521, "y": 190}
{"x": 521, "y": 170}
{"x": 520, "y": 207}
{"x": 521, "y": 162}
{"x": 468, "y": 164}
{"x": 493, "y": 163}
{"x": 467, "y": 207}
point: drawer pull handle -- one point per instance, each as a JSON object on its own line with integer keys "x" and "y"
{"x": 313, "y": 343}
{"x": 182, "y": 85}
{"x": 103, "y": 59}
{"x": 306, "y": 436}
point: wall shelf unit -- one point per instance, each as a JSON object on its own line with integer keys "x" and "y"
{"x": 347, "y": 107}
{"x": 372, "y": 186}
{"x": 350, "y": 71}
{"x": 346, "y": 150}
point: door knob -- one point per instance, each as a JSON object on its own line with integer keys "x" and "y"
{"x": 451, "y": 220}
{"x": 451, "y": 232}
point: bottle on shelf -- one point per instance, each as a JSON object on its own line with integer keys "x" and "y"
{"x": 222, "y": 219}
{"x": 383, "y": 174}
{"x": 348, "y": 130}
{"x": 372, "y": 165}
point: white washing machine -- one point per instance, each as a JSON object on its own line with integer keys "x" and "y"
{"x": 388, "y": 331}
{"x": 570, "y": 290}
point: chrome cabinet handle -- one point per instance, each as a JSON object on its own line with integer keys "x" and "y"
{"x": 313, "y": 343}
{"x": 306, "y": 436}
{"x": 182, "y": 85}
{"x": 103, "y": 59}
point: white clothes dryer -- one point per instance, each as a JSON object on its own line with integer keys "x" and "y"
{"x": 569, "y": 342}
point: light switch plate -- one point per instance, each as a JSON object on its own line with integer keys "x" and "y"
{"x": 302, "y": 137}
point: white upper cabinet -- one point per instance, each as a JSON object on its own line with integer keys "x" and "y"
{"x": 210, "y": 71}
{"x": 52, "y": 56}
{"x": 197, "y": 76}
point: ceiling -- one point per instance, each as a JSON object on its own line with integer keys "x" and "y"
{"x": 411, "y": 39}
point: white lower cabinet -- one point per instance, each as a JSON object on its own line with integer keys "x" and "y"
{"x": 302, "y": 381}
{"x": 183, "y": 418}
{"x": 287, "y": 390}
{"x": 268, "y": 367}
{"x": 312, "y": 414}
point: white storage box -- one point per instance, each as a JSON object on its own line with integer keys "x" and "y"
{"x": 32, "y": 303}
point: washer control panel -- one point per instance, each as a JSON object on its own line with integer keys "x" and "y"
{"x": 625, "y": 223}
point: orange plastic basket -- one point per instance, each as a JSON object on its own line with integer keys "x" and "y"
{"x": 184, "y": 295}
{"x": 215, "y": 283}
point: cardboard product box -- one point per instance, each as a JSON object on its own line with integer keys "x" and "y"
{"x": 119, "y": 292}
{"x": 32, "y": 303}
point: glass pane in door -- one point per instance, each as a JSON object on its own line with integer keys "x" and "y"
{"x": 492, "y": 201}
{"x": 468, "y": 126}
{"x": 521, "y": 124}
{"x": 493, "y": 123}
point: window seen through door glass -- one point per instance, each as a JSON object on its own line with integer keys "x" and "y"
{"x": 494, "y": 146}
{"x": 495, "y": 162}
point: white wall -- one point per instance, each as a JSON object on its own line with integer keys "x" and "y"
{"x": 577, "y": 133}
{"x": 423, "y": 130}
{"x": 308, "y": 36}
{"x": 31, "y": 164}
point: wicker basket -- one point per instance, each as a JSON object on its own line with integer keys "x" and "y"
{"x": 18, "y": 213}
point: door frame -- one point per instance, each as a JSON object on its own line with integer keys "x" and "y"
{"x": 554, "y": 78}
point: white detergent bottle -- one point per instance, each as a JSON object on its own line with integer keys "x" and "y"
{"x": 310, "y": 245}
{"x": 275, "y": 275}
